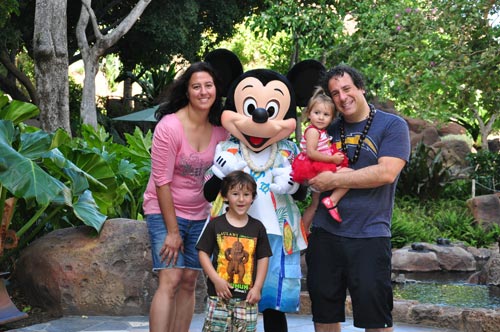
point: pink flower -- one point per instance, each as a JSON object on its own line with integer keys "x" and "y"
{"x": 398, "y": 28}
{"x": 408, "y": 10}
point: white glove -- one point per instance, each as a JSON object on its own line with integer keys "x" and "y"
{"x": 226, "y": 162}
{"x": 282, "y": 181}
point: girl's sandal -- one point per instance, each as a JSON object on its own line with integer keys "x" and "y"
{"x": 332, "y": 209}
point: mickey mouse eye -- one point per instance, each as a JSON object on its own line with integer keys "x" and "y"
{"x": 249, "y": 106}
{"x": 272, "y": 109}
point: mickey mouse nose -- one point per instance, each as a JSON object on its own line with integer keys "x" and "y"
{"x": 259, "y": 115}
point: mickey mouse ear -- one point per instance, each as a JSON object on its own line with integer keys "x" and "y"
{"x": 227, "y": 65}
{"x": 304, "y": 77}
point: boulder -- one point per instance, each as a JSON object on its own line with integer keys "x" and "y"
{"x": 490, "y": 273}
{"x": 407, "y": 259}
{"x": 454, "y": 152}
{"x": 74, "y": 271}
{"x": 429, "y": 136}
{"x": 452, "y": 128}
{"x": 485, "y": 209}
{"x": 431, "y": 257}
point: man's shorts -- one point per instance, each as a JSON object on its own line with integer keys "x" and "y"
{"x": 336, "y": 264}
{"x": 190, "y": 231}
{"x": 230, "y": 315}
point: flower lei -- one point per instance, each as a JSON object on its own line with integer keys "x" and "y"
{"x": 251, "y": 164}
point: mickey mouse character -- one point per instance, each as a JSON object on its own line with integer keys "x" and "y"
{"x": 260, "y": 114}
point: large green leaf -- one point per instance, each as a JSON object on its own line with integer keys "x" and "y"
{"x": 34, "y": 145}
{"x": 86, "y": 210}
{"x": 25, "y": 179}
{"x": 18, "y": 111}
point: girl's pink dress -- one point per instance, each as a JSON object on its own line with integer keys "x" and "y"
{"x": 304, "y": 168}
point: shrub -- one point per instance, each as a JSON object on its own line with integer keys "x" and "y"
{"x": 425, "y": 175}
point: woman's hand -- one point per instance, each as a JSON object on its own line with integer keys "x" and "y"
{"x": 170, "y": 250}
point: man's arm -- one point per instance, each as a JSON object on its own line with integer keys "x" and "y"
{"x": 385, "y": 172}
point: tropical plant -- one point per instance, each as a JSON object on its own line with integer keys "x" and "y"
{"x": 41, "y": 179}
{"x": 123, "y": 168}
{"x": 425, "y": 175}
{"x": 153, "y": 83}
{"x": 426, "y": 221}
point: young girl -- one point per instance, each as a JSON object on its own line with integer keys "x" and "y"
{"x": 234, "y": 252}
{"x": 318, "y": 154}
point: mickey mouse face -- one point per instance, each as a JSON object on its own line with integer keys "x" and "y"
{"x": 259, "y": 108}
{"x": 261, "y": 103}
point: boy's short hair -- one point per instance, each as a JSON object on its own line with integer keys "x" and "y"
{"x": 240, "y": 179}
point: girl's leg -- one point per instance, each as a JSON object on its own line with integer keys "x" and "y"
{"x": 308, "y": 215}
{"x": 336, "y": 195}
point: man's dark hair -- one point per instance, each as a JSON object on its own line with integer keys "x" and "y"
{"x": 339, "y": 71}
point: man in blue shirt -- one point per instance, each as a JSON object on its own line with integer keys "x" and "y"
{"x": 355, "y": 254}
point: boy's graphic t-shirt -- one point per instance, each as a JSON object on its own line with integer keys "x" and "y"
{"x": 235, "y": 252}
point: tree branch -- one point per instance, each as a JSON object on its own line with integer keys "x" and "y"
{"x": 19, "y": 75}
{"x": 93, "y": 19}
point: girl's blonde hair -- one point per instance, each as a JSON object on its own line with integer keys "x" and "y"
{"x": 319, "y": 96}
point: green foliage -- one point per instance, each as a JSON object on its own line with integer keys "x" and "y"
{"x": 62, "y": 182}
{"x": 485, "y": 169}
{"x": 311, "y": 28}
{"x": 153, "y": 83}
{"x": 47, "y": 185}
{"x": 6, "y": 8}
{"x": 410, "y": 223}
{"x": 425, "y": 175}
{"x": 417, "y": 221}
{"x": 124, "y": 169}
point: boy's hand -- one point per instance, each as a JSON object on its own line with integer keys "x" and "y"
{"x": 253, "y": 295}
{"x": 222, "y": 288}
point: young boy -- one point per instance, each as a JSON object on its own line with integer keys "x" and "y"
{"x": 240, "y": 252}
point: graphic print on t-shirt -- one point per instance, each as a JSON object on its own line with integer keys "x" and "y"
{"x": 235, "y": 262}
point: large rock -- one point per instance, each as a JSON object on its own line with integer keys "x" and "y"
{"x": 485, "y": 209}
{"x": 73, "y": 271}
{"x": 490, "y": 273}
{"x": 454, "y": 152}
{"x": 431, "y": 257}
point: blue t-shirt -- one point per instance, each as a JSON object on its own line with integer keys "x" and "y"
{"x": 367, "y": 212}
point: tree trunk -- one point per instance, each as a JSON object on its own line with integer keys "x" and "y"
{"x": 91, "y": 54}
{"x": 485, "y": 129}
{"x": 50, "y": 51}
{"x": 127, "y": 94}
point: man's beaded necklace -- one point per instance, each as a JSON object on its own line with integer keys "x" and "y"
{"x": 354, "y": 159}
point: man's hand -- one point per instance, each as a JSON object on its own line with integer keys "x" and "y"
{"x": 322, "y": 182}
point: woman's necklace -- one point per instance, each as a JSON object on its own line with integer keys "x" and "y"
{"x": 251, "y": 164}
{"x": 354, "y": 159}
